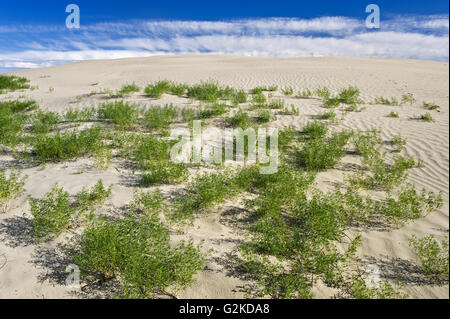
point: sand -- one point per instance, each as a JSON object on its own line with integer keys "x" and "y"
{"x": 29, "y": 270}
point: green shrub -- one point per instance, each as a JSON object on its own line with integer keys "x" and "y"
{"x": 240, "y": 119}
{"x": 305, "y": 94}
{"x": 408, "y": 98}
{"x": 292, "y": 111}
{"x": 88, "y": 201}
{"x": 209, "y": 92}
{"x": 19, "y": 106}
{"x": 288, "y": 91}
{"x": 239, "y": 97}
{"x": 323, "y": 93}
{"x": 148, "y": 204}
{"x": 157, "y": 89}
{"x": 431, "y": 106}
{"x": 203, "y": 192}
{"x": 359, "y": 289}
{"x": 51, "y": 214}
{"x": 178, "y": 89}
{"x": 128, "y": 89}
{"x": 11, "y": 127}
{"x": 120, "y": 113}
{"x": 68, "y": 145}
{"x": 263, "y": 116}
{"x": 157, "y": 117}
{"x": 316, "y": 129}
{"x": 399, "y": 142}
{"x": 432, "y": 255}
{"x": 139, "y": 253}
{"x": 323, "y": 153}
{"x": 13, "y": 83}
{"x": 330, "y": 115}
{"x": 386, "y": 101}
{"x": 394, "y": 115}
{"x": 164, "y": 173}
{"x": 259, "y": 100}
{"x": 409, "y": 205}
{"x": 84, "y": 115}
{"x": 277, "y": 104}
{"x": 216, "y": 109}
{"x": 11, "y": 187}
{"x": 426, "y": 117}
{"x": 350, "y": 96}
{"x": 44, "y": 122}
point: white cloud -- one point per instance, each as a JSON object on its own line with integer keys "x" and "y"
{"x": 400, "y": 37}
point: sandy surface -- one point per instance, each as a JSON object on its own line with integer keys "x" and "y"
{"x": 28, "y": 270}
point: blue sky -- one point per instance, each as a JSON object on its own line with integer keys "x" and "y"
{"x": 33, "y": 33}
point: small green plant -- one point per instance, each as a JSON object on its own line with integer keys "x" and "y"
{"x": 83, "y": 115}
{"x": 316, "y": 129}
{"x": 323, "y": 93}
{"x": 128, "y": 89}
{"x": 399, "y": 142}
{"x": 51, "y": 214}
{"x": 276, "y": 104}
{"x": 259, "y": 100}
{"x": 432, "y": 255}
{"x": 288, "y": 91}
{"x": 360, "y": 289}
{"x": 178, "y": 89}
{"x": 408, "y": 98}
{"x": 426, "y": 117}
{"x": 214, "y": 110}
{"x": 305, "y": 94}
{"x": 157, "y": 89}
{"x": 13, "y": 83}
{"x": 263, "y": 116}
{"x": 148, "y": 204}
{"x": 209, "y": 91}
{"x": 330, "y": 115}
{"x": 17, "y": 106}
{"x": 205, "y": 191}
{"x": 45, "y": 122}
{"x": 386, "y": 101}
{"x": 121, "y": 113}
{"x": 394, "y": 115}
{"x": 239, "y": 97}
{"x": 240, "y": 119}
{"x": 139, "y": 253}
{"x": 87, "y": 201}
{"x": 11, "y": 127}
{"x": 164, "y": 173}
{"x": 11, "y": 187}
{"x": 68, "y": 145}
{"x": 431, "y": 106}
{"x": 322, "y": 153}
{"x": 350, "y": 96}
{"x": 51, "y": 89}
{"x": 158, "y": 118}
{"x": 292, "y": 111}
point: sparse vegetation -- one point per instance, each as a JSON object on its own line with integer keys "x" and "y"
{"x": 432, "y": 255}
{"x": 386, "y": 101}
{"x": 431, "y": 106}
{"x": 427, "y": 117}
{"x": 128, "y": 89}
{"x": 13, "y": 83}
{"x": 157, "y": 89}
{"x": 67, "y": 145}
{"x": 121, "y": 113}
{"x": 11, "y": 187}
{"x": 139, "y": 254}
{"x": 394, "y": 115}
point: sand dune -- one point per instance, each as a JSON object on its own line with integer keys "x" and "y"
{"x": 28, "y": 270}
